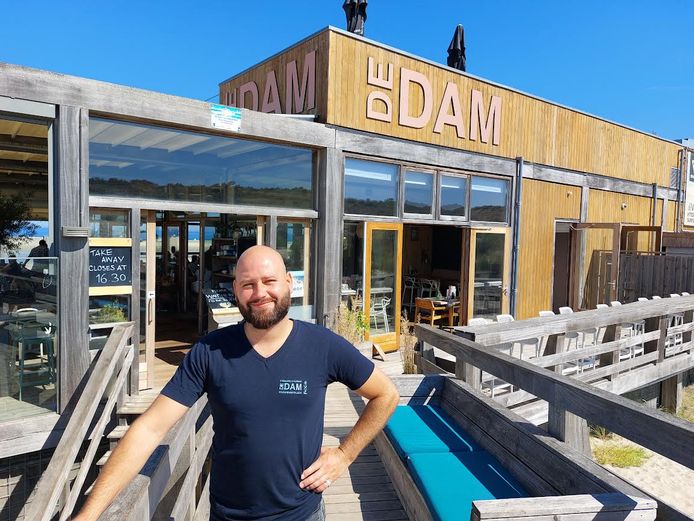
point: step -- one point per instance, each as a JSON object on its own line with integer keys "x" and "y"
{"x": 103, "y": 459}
{"x": 118, "y": 432}
{"x": 137, "y": 404}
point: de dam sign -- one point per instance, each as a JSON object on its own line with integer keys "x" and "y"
{"x": 418, "y": 104}
{"x": 382, "y": 91}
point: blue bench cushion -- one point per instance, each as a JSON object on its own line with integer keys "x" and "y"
{"x": 451, "y": 481}
{"x": 426, "y": 428}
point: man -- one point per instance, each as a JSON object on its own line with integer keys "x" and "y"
{"x": 265, "y": 380}
{"x": 38, "y": 252}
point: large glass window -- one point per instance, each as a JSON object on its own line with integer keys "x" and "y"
{"x": 370, "y": 187}
{"x": 418, "y": 192}
{"x": 489, "y": 199}
{"x": 293, "y": 245}
{"x": 453, "y": 196}
{"x": 28, "y": 273}
{"x": 135, "y": 160}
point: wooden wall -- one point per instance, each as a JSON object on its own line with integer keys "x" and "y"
{"x": 278, "y": 64}
{"x": 542, "y": 204}
{"x": 538, "y": 131}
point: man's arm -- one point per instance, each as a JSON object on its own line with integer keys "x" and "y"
{"x": 130, "y": 455}
{"x": 382, "y": 399}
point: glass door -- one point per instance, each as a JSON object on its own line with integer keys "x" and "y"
{"x": 488, "y": 273}
{"x": 148, "y": 268}
{"x": 382, "y": 274}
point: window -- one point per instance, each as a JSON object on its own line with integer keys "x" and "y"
{"x": 489, "y": 200}
{"x": 144, "y": 161}
{"x": 453, "y": 196}
{"x": 109, "y": 223}
{"x": 28, "y": 272}
{"x": 293, "y": 244}
{"x": 370, "y": 187}
{"x": 419, "y": 192}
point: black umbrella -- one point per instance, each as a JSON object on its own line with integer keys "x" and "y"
{"x": 456, "y": 50}
{"x": 356, "y": 15}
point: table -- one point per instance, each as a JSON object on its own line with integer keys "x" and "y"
{"x": 444, "y": 305}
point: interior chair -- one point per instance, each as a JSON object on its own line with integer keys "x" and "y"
{"x": 34, "y": 357}
{"x": 427, "y": 311}
{"x": 379, "y": 312}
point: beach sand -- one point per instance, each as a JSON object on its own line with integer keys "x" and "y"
{"x": 661, "y": 477}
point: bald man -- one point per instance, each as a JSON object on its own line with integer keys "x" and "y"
{"x": 265, "y": 380}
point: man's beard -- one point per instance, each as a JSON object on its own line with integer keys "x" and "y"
{"x": 264, "y": 319}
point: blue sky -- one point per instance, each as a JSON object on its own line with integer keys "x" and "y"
{"x": 631, "y": 62}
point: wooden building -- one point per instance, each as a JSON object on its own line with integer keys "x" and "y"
{"x": 395, "y": 177}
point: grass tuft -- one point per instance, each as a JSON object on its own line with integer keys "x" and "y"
{"x": 686, "y": 411}
{"x": 619, "y": 454}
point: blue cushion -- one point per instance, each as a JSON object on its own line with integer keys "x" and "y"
{"x": 451, "y": 481}
{"x": 426, "y": 428}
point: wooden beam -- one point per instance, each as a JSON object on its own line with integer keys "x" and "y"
{"x": 569, "y": 508}
{"x": 658, "y": 431}
{"x": 329, "y": 230}
{"x": 72, "y": 178}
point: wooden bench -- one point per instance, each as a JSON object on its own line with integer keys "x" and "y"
{"x": 562, "y": 481}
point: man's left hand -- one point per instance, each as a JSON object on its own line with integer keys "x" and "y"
{"x": 325, "y": 470}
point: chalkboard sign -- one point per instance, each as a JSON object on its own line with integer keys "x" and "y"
{"x": 219, "y": 299}
{"x": 110, "y": 266}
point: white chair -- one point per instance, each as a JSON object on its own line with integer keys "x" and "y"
{"x": 489, "y": 381}
{"x": 637, "y": 327}
{"x": 379, "y": 311}
{"x": 578, "y": 338}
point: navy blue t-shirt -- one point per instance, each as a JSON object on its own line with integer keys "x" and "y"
{"x": 268, "y": 415}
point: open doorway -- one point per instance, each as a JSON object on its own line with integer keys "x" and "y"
{"x": 183, "y": 255}
{"x": 464, "y": 271}
{"x": 562, "y": 265}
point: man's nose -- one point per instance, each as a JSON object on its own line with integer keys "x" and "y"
{"x": 259, "y": 291}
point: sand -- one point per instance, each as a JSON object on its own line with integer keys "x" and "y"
{"x": 663, "y": 479}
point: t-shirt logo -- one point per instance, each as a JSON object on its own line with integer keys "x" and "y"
{"x": 293, "y": 387}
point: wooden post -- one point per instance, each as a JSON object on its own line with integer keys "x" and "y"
{"x": 72, "y": 208}
{"x": 671, "y": 393}
{"x": 329, "y": 233}
{"x": 612, "y": 333}
{"x": 571, "y": 429}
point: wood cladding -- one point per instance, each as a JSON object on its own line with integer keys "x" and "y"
{"x": 538, "y": 131}
{"x": 353, "y": 76}
{"x": 542, "y": 204}
{"x": 284, "y": 83}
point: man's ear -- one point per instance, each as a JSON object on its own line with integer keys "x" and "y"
{"x": 290, "y": 279}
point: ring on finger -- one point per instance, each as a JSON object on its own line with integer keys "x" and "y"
{"x": 328, "y": 482}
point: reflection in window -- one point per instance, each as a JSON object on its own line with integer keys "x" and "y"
{"x": 105, "y": 222}
{"x": 28, "y": 274}
{"x": 292, "y": 245}
{"x": 370, "y": 187}
{"x": 489, "y": 269}
{"x": 488, "y": 199}
{"x": 352, "y": 263}
{"x": 453, "y": 196}
{"x": 135, "y": 160}
{"x": 418, "y": 192}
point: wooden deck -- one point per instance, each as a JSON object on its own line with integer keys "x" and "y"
{"x": 365, "y": 491}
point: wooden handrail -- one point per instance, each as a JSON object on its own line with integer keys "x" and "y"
{"x": 141, "y": 498}
{"x": 656, "y": 430}
{"x": 495, "y": 333}
{"x": 55, "y": 478}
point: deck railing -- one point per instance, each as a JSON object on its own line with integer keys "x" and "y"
{"x": 169, "y": 485}
{"x": 571, "y": 401}
{"x": 107, "y": 381}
